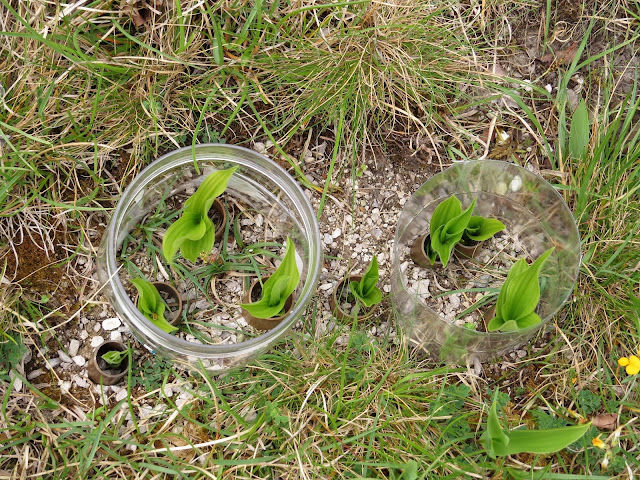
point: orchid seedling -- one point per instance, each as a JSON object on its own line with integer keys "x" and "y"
{"x": 114, "y": 358}
{"x": 278, "y": 287}
{"x": 366, "y": 290}
{"x": 151, "y": 305}
{"x": 194, "y": 233}
{"x": 480, "y": 229}
{"x": 448, "y": 224}
{"x": 519, "y": 296}
{"x": 500, "y": 442}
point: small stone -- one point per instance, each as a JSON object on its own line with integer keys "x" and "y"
{"x": 326, "y": 286}
{"x": 454, "y": 301}
{"x": 53, "y": 363}
{"x": 111, "y": 323}
{"x": 96, "y": 327}
{"x": 79, "y": 360}
{"x": 116, "y": 336}
{"x": 521, "y": 353}
{"x": 327, "y": 239}
{"x": 97, "y": 341}
{"x": 259, "y": 220}
{"x": 80, "y": 382}
{"x": 65, "y": 386}
{"x": 35, "y": 374}
{"x": 121, "y": 395}
{"x": 64, "y": 357}
{"x": 74, "y": 345}
{"x": 84, "y": 334}
{"x": 336, "y": 233}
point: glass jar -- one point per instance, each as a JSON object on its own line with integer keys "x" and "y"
{"x": 258, "y": 181}
{"x": 528, "y": 206}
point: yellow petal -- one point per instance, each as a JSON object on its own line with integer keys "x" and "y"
{"x": 623, "y": 361}
{"x": 633, "y": 369}
{"x": 633, "y": 360}
{"x": 598, "y": 443}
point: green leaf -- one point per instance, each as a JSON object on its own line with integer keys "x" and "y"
{"x": 366, "y": 290}
{"x": 115, "y": 357}
{"x": 580, "y": 132}
{"x": 444, "y": 211}
{"x": 151, "y": 305}
{"x": 500, "y": 442}
{"x": 481, "y": 228}
{"x": 495, "y": 440}
{"x": 544, "y": 441}
{"x": 516, "y": 269}
{"x": 447, "y": 226}
{"x": 528, "y": 320}
{"x": 267, "y": 306}
{"x": 193, "y": 232}
{"x": 211, "y": 188}
{"x": 523, "y": 292}
{"x": 495, "y": 323}
{"x": 190, "y": 226}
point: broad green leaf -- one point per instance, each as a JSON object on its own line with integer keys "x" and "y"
{"x": 495, "y": 440}
{"x": 580, "y": 132}
{"x": 369, "y": 277}
{"x": 481, "y": 228}
{"x": 509, "y": 326}
{"x": 115, "y": 357}
{"x": 544, "y": 441}
{"x": 191, "y": 249}
{"x": 528, "y": 320}
{"x": 266, "y": 307}
{"x": 212, "y": 187}
{"x": 444, "y": 211}
{"x": 523, "y": 292}
{"x": 190, "y": 226}
{"x": 151, "y": 305}
{"x": 516, "y": 269}
{"x": 495, "y": 323}
{"x": 276, "y": 290}
{"x": 372, "y": 298}
{"x": 455, "y": 227}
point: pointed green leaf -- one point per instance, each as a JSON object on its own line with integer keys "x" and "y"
{"x": 370, "y": 276}
{"x": 372, "y": 298}
{"x": 456, "y": 226}
{"x": 191, "y": 226}
{"x": 580, "y": 132}
{"x": 274, "y": 291}
{"x": 266, "y": 307}
{"x": 528, "y": 320}
{"x": 523, "y": 292}
{"x": 212, "y": 187}
{"x": 191, "y": 249}
{"x": 151, "y": 305}
{"x": 480, "y": 228}
{"x": 509, "y": 326}
{"x": 446, "y": 210}
{"x": 516, "y": 269}
{"x": 443, "y": 249}
{"x": 495, "y": 323}
{"x": 496, "y": 441}
{"x": 544, "y": 441}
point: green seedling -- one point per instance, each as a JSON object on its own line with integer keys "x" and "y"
{"x": 151, "y": 305}
{"x": 447, "y": 226}
{"x": 278, "y": 287}
{"x": 500, "y": 442}
{"x": 519, "y": 296}
{"x": 114, "y": 357}
{"x": 480, "y": 229}
{"x": 194, "y": 233}
{"x": 366, "y": 290}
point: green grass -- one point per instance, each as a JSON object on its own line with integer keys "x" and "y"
{"x": 87, "y": 101}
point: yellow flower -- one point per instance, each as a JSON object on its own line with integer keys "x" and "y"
{"x": 599, "y": 443}
{"x": 631, "y": 364}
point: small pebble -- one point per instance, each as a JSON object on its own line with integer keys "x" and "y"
{"x": 35, "y": 374}
{"x": 97, "y": 341}
{"x": 74, "y": 345}
{"x": 79, "y": 360}
{"x": 111, "y": 323}
{"x": 121, "y": 395}
{"x": 116, "y": 336}
{"x": 64, "y": 357}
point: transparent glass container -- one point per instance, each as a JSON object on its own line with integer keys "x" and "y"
{"x": 258, "y": 181}
{"x": 530, "y": 208}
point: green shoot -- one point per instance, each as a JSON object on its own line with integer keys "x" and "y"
{"x": 448, "y": 224}
{"x": 114, "y": 357}
{"x": 366, "y": 290}
{"x": 519, "y": 296}
{"x": 194, "y": 233}
{"x": 481, "y": 228}
{"x": 151, "y": 305}
{"x": 500, "y": 442}
{"x": 278, "y": 287}
{"x": 580, "y": 132}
